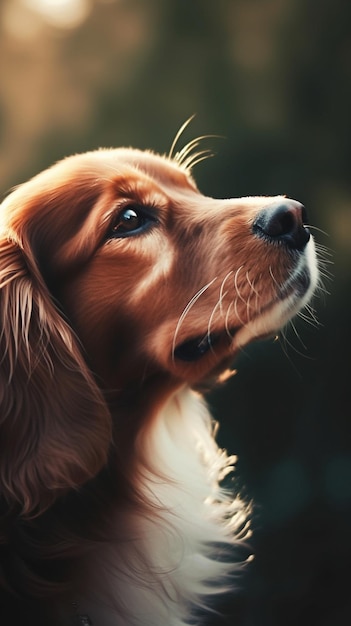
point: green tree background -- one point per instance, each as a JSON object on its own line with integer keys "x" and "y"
{"x": 274, "y": 78}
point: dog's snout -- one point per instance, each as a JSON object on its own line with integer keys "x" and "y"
{"x": 283, "y": 222}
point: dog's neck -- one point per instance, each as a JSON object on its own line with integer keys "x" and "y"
{"x": 175, "y": 550}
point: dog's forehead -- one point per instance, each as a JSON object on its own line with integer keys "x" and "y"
{"x": 160, "y": 168}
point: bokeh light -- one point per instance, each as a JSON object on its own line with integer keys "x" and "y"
{"x": 61, "y": 13}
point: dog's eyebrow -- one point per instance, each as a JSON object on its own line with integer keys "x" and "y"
{"x": 141, "y": 189}
{"x": 148, "y": 197}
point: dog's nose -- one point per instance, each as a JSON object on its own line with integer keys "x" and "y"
{"x": 283, "y": 222}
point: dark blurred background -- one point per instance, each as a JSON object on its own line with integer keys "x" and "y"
{"x": 274, "y": 78}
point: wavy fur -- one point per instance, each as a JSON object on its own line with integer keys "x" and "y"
{"x": 122, "y": 288}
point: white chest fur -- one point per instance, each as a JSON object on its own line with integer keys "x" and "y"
{"x": 175, "y": 555}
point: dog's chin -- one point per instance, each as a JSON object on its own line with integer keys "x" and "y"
{"x": 194, "y": 349}
{"x": 203, "y": 361}
{"x": 205, "y": 365}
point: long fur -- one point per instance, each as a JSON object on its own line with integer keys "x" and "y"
{"x": 123, "y": 289}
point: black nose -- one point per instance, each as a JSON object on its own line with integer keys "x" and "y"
{"x": 283, "y": 222}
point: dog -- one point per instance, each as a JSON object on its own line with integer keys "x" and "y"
{"x": 124, "y": 292}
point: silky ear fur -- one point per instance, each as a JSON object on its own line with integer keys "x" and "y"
{"x": 55, "y": 427}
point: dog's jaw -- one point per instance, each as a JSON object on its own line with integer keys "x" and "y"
{"x": 207, "y": 353}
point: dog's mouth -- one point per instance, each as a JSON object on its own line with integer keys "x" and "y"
{"x": 265, "y": 323}
{"x": 195, "y": 348}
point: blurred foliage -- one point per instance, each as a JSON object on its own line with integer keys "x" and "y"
{"x": 273, "y": 77}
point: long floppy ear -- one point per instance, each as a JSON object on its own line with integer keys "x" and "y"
{"x": 55, "y": 428}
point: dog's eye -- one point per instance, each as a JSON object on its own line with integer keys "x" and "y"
{"x": 130, "y": 221}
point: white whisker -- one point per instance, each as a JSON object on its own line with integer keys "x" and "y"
{"x": 235, "y": 303}
{"x": 252, "y": 291}
{"x": 297, "y": 334}
{"x": 236, "y": 284}
{"x": 221, "y": 294}
{"x": 274, "y": 278}
{"x": 196, "y": 158}
{"x": 227, "y": 329}
{"x": 284, "y": 342}
{"x": 217, "y": 305}
{"x": 310, "y": 227}
{"x": 322, "y": 289}
{"x": 308, "y": 320}
{"x": 324, "y": 249}
{"x": 178, "y": 135}
{"x": 188, "y": 156}
{"x": 186, "y": 310}
{"x": 252, "y": 284}
{"x": 311, "y": 312}
{"x": 188, "y": 148}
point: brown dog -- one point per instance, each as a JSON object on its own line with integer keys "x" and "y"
{"x": 122, "y": 287}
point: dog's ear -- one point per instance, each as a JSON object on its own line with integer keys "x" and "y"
{"x": 55, "y": 428}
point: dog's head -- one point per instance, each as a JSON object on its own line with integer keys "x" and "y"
{"x": 116, "y": 273}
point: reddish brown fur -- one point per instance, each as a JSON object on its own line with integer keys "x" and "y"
{"x": 88, "y": 325}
